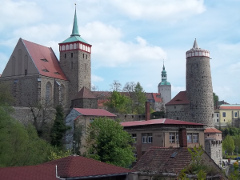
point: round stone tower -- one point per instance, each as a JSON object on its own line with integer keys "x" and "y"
{"x": 199, "y": 86}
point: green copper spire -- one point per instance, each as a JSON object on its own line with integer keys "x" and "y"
{"x": 164, "y": 77}
{"x": 75, "y": 25}
{"x": 75, "y": 36}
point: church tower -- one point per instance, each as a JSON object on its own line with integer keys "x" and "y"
{"x": 75, "y": 61}
{"x": 199, "y": 86}
{"x": 164, "y": 87}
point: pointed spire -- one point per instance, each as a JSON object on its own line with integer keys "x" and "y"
{"x": 75, "y": 25}
{"x": 195, "y": 45}
{"x": 163, "y": 66}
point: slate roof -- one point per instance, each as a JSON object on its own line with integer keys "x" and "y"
{"x": 212, "y": 130}
{"x": 163, "y": 160}
{"x": 68, "y": 167}
{"x": 45, "y": 60}
{"x": 158, "y": 121}
{"x": 94, "y": 112}
{"x": 85, "y": 93}
{"x": 180, "y": 98}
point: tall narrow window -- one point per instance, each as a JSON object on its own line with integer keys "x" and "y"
{"x": 48, "y": 95}
{"x": 83, "y": 56}
{"x": 71, "y": 55}
{"x": 224, "y": 114}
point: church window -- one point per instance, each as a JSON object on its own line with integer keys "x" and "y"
{"x": 224, "y": 114}
{"x": 75, "y": 46}
{"x": 71, "y": 46}
{"x": 83, "y": 55}
{"x": 63, "y": 47}
{"x": 67, "y": 47}
{"x": 25, "y": 72}
{"x": 80, "y": 46}
{"x": 86, "y": 56}
{"x": 84, "y": 47}
{"x": 65, "y": 55}
{"x": 71, "y": 55}
{"x": 48, "y": 93}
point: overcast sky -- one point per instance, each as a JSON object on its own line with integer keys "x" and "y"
{"x": 130, "y": 39}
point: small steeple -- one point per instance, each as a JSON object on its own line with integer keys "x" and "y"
{"x": 195, "y": 45}
{"x": 75, "y": 25}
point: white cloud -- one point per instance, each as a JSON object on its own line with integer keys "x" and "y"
{"x": 15, "y": 13}
{"x": 110, "y": 50}
{"x": 96, "y": 78}
{"x": 160, "y": 9}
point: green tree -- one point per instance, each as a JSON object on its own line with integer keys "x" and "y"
{"x": 119, "y": 103}
{"x": 215, "y": 101}
{"x": 108, "y": 142}
{"x": 139, "y": 99}
{"x": 59, "y": 128}
{"x": 228, "y": 144}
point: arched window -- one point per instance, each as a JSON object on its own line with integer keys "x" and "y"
{"x": 48, "y": 96}
{"x": 62, "y": 94}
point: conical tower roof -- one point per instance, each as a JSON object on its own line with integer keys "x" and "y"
{"x": 75, "y": 36}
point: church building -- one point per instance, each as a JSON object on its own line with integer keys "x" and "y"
{"x": 35, "y": 76}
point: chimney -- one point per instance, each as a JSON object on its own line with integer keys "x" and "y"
{"x": 183, "y": 137}
{"x": 147, "y": 111}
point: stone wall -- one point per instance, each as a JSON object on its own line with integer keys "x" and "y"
{"x": 76, "y": 65}
{"x": 213, "y": 148}
{"x": 178, "y": 112}
{"x": 199, "y": 90}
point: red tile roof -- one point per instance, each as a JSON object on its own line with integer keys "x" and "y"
{"x": 38, "y": 172}
{"x": 158, "y": 121}
{"x": 233, "y": 107}
{"x": 78, "y": 166}
{"x": 69, "y": 167}
{"x": 85, "y": 93}
{"x": 158, "y": 160}
{"x": 94, "y": 112}
{"x": 212, "y": 130}
{"x": 45, "y": 60}
{"x": 157, "y": 97}
{"x": 180, "y": 98}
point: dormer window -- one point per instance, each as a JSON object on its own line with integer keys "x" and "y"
{"x": 57, "y": 73}
{"x": 45, "y": 70}
{"x": 45, "y": 60}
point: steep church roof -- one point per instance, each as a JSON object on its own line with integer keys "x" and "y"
{"x": 75, "y": 36}
{"x": 44, "y": 59}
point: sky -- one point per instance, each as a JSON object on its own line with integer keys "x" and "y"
{"x": 131, "y": 39}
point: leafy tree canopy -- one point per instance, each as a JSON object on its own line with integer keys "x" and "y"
{"x": 228, "y": 144}
{"x": 108, "y": 142}
{"x": 139, "y": 99}
{"x": 119, "y": 103}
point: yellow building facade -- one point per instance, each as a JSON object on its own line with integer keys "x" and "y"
{"x": 229, "y": 115}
